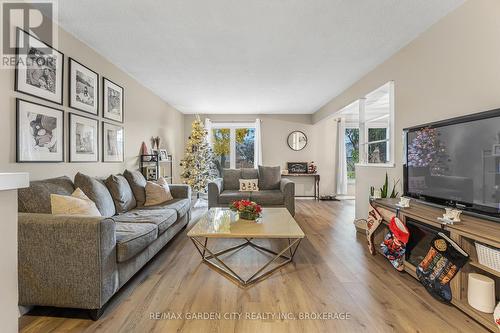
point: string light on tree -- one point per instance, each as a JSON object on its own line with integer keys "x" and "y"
{"x": 198, "y": 161}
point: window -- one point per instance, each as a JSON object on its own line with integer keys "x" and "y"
{"x": 234, "y": 145}
{"x": 352, "y": 151}
{"x": 376, "y": 122}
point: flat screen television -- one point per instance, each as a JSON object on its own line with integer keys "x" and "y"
{"x": 456, "y": 162}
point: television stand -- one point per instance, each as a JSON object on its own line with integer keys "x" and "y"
{"x": 472, "y": 229}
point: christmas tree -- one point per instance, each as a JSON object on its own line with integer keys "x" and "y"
{"x": 198, "y": 162}
{"x": 427, "y": 151}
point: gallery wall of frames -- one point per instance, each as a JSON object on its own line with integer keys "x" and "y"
{"x": 95, "y": 130}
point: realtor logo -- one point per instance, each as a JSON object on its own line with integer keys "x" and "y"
{"x": 34, "y": 17}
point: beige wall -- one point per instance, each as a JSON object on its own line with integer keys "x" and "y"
{"x": 452, "y": 69}
{"x": 8, "y": 258}
{"x": 275, "y": 151}
{"x": 145, "y": 113}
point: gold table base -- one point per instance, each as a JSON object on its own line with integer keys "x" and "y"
{"x": 213, "y": 260}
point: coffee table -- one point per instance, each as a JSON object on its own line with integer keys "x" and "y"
{"x": 221, "y": 223}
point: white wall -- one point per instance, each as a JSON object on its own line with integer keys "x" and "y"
{"x": 146, "y": 115}
{"x": 452, "y": 69}
{"x": 275, "y": 129}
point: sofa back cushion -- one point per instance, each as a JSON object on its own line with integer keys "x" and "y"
{"x": 36, "y": 198}
{"x": 97, "y": 192}
{"x": 249, "y": 173}
{"x": 121, "y": 193}
{"x": 269, "y": 177}
{"x": 137, "y": 183}
{"x": 231, "y": 179}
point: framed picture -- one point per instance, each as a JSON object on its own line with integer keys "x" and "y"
{"x": 162, "y": 154}
{"x": 40, "y": 133}
{"x": 83, "y": 88}
{"x": 40, "y": 68}
{"x": 83, "y": 139}
{"x": 297, "y": 167}
{"x": 112, "y": 143}
{"x": 112, "y": 101}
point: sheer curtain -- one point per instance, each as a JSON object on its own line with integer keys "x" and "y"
{"x": 341, "y": 158}
{"x": 257, "y": 144}
{"x": 208, "y": 128}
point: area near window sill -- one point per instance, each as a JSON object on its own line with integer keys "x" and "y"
{"x": 376, "y": 165}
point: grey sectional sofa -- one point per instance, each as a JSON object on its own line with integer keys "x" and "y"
{"x": 274, "y": 191}
{"x": 81, "y": 262}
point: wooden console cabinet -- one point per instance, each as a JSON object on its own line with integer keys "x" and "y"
{"x": 465, "y": 233}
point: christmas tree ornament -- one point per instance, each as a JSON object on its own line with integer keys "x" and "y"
{"x": 198, "y": 161}
{"x": 444, "y": 259}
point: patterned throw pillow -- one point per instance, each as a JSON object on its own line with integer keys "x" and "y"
{"x": 249, "y": 184}
{"x": 76, "y": 204}
{"x": 157, "y": 192}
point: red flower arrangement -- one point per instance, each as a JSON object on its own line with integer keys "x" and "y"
{"x": 247, "y": 209}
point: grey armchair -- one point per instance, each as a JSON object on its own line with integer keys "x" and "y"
{"x": 274, "y": 191}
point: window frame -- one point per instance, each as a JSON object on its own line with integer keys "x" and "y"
{"x": 364, "y": 126}
{"x": 232, "y": 139}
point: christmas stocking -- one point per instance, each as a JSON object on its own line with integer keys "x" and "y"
{"x": 372, "y": 222}
{"x": 394, "y": 244}
{"x": 444, "y": 259}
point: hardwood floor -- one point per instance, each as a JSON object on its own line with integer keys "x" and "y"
{"x": 332, "y": 273}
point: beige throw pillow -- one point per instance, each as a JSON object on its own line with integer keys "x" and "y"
{"x": 157, "y": 192}
{"x": 76, "y": 204}
{"x": 249, "y": 184}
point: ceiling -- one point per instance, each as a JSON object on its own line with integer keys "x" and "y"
{"x": 258, "y": 56}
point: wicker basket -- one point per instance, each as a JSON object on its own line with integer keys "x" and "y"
{"x": 488, "y": 256}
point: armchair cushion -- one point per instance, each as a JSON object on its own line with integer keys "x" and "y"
{"x": 228, "y": 196}
{"x": 231, "y": 179}
{"x": 268, "y": 197}
{"x": 269, "y": 177}
{"x": 249, "y": 173}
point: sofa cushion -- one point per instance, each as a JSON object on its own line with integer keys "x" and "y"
{"x": 121, "y": 193}
{"x": 231, "y": 179}
{"x": 162, "y": 218}
{"x": 137, "y": 183}
{"x": 269, "y": 177}
{"x": 36, "y": 197}
{"x": 268, "y": 197}
{"x": 97, "y": 192}
{"x": 132, "y": 238}
{"x": 228, "y": 196}
{"x": 181, "y": 206}
{"x": 249, "y": 173}
{"x": 75, "y": 204}
{"x": 157, "y": 192}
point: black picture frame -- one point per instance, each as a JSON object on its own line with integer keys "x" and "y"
{"x": 70, "y": 99}
{"x": 16, "y": 71}
{"x": 18, "y": 133}
{"x": 288, "y": 140}
{"x": 104, "y": 99}
{"x": 71, "y": 159}
{"x": 103, "y": 135}
{"x": 297, "y": 167}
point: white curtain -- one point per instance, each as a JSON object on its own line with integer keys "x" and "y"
{"x": 208, "y": 128}
{"x": 341, "y": 158}
{"x": 258, "y": 144}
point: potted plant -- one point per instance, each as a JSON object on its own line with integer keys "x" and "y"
{"x": 246, "y": 209}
